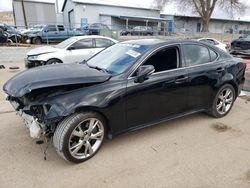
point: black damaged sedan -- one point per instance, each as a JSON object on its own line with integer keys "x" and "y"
{"x": 125, "y": 87}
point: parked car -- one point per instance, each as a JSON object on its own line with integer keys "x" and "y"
{"x": 128, "y": 86}
{"x": 241, "y": 46}
{"x": 50, "y": 33}
{"x": 33, "y": 29}
{"x": 3, "y": 37}
{"x": 138, "y": 30}
{"x": 12, "y": 33}
{"x": 72, "y": 50}
{"x": 96, "y": 28}
{"x": 215, "y": 43}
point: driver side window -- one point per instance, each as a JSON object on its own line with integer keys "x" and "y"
{"x": 51, "y": 28}
{"x": 164, "y": 59}
{"x": 82, "y": 44}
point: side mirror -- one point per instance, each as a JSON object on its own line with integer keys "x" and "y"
{"x": 83, "y": 62}
{"x": 143, "y": 72}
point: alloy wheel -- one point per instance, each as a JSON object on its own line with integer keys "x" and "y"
{"x": 86, "y": 138}
{"x": 224, "y": 101}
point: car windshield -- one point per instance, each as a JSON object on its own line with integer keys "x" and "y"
{"x": 117, "y": 58}
{"x": 65, "y": 43}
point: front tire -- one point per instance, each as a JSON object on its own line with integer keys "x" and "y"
{"x": 53, "y": 61}
{"x": 79, "y": 136}
{"x": 37, "y": 41}
{"x": 223, "y": 101}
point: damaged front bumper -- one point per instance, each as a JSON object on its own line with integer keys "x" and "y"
{"x": 31, "y": 64}
{"x": 35, "y": 128}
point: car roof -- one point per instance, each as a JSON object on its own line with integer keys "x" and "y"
{"x": 159, "y": 42}
{"x": 93, "y": 36}
{"x": 207, "y": 38}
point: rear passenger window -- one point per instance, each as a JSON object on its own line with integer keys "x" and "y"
{"x": 196, "y": 54}
{"x": 213, "y": 55}
{"x": 60, "y": 27}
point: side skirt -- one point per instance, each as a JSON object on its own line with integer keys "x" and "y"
{"x": 132, "y": 129}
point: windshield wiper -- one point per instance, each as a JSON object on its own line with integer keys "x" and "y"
{"x": 99, "y": 68}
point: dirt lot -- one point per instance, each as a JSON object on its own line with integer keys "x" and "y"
{"x": 195, "y": 151}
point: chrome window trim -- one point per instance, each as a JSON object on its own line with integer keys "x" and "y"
{"x": 180, "y": 68}
{"x": 209, "y": 48}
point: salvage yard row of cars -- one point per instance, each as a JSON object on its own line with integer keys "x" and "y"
{"x": 39, "y": 34}
{"x": 120, "y": 87}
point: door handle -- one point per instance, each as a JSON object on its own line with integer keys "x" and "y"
{"x": 181, "y": 79}
{"x": 220, "y": 69}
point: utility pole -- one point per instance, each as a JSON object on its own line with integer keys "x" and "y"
{"x": 24, "y": 15}
{"x": 13, "y": 13}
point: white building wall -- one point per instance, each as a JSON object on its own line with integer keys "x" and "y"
{"x": 189, "y": 25}
{"x": 92, "y": 12}
{"x": 69, "y": 6}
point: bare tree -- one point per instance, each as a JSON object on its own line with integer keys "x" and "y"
{"x": 160, "y": 4}
{"x": 205, "y": 8}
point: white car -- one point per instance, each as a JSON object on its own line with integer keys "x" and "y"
{"x": 215, "y": 43}
{"x": 72, "y": 50}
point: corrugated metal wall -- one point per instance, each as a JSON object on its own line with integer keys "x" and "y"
{"x": 36, "y": 13}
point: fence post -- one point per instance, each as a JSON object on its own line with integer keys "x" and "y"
{"x": 16, "y": 40}
{"x": 47, "y": 40}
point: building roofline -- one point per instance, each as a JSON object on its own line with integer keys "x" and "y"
{"x": 136, "y": 17}
{"x": 110, "y": 5}
{"x": 219, "y": 19}
{"x": 37, "y": 1}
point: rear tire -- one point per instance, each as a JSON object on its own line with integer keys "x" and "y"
{"x": 223, "y": 101}
{"x": 79, "y": 136}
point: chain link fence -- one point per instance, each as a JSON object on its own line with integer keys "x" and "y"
{"x": 54, "y": 33}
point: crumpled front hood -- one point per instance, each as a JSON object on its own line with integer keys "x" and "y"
{"x": 52, "y": 75}
{"x": 42, "y": 50}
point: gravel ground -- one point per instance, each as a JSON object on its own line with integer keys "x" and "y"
{"x": 194, "y": 151}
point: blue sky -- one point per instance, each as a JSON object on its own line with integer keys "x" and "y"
{"x": 171, "y": 8}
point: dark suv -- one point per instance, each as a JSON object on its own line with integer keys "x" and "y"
{"x": 241, "y": 46}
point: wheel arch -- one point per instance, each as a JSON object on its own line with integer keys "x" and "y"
{"x": 231, "y": 82}
{"x": 53, "y": 58}
{"x": 229, "y": 79}
{"x": 97, "y": 110}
